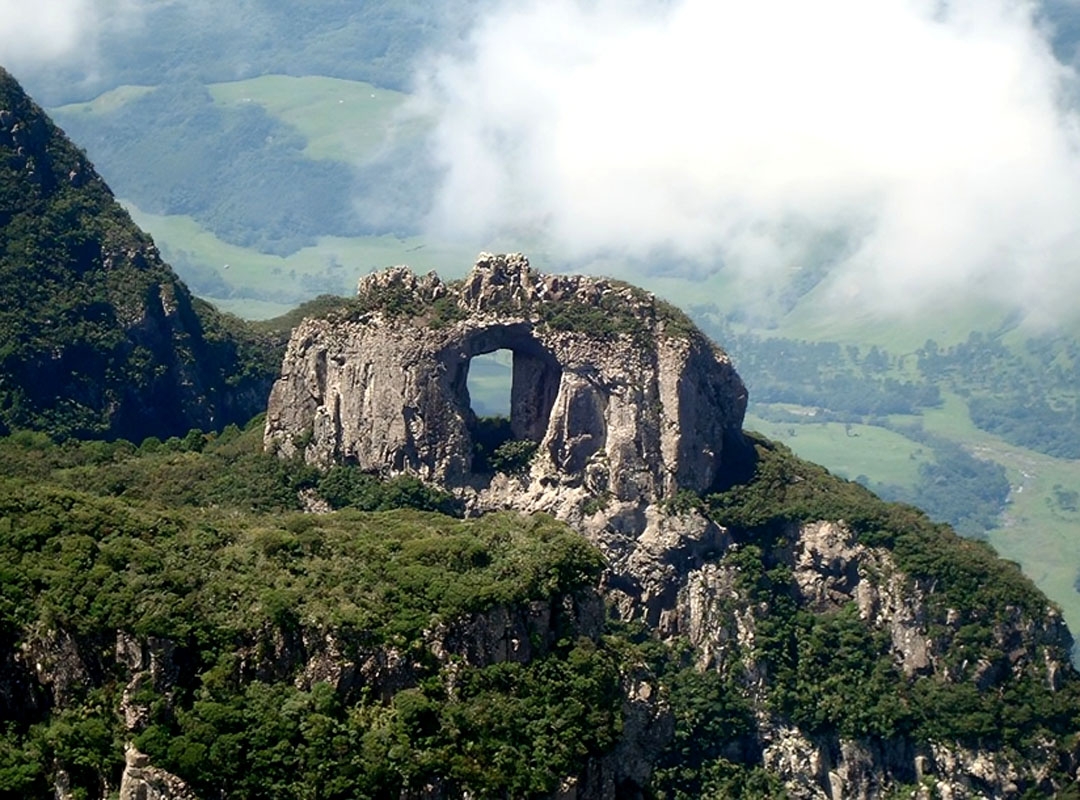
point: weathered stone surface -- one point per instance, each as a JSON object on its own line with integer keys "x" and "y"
{"x": 634, "y": 391}
{"x": 627, "y": 401}
{"x": 141, "y": 781}
{"x": 628, "y": 404}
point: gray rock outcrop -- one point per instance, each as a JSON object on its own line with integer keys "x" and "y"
{"x": 832, "y": 571}
{"x": 625, "y": 400}
{"x": 614, "y": 386}
{"x": 142, "y": 781}
{"x": 634, "y": 414}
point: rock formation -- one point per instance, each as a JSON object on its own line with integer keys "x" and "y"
{"x": 635, "y": 415}
{"x": 627, "y": 402}
{"x": 632, "y": 400}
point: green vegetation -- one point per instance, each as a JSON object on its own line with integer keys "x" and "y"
{"x": 849, "y": 449}
{"x": 348, "y": 487}
{"x": 506, "y": 730}
{"x": 495, "y": 449}
{"x": 830, "y": 673}
{"x": 1028, "y": 398}
{"x": 277, "y": 199}
{"x": 198, "y": 541}
{"x": 802, "y": 384}
{"x": 89, "y": 527}
{"x": 336, "y": 47}
{"x": 967, "y": 492}
{"x": 345, "y": 121}
{"x": 849, "y": 383}
{"x": 260, "y": 285}
{"x": 191, "y": 541}
{"x": 705, "y": 758}
{"x": 785, "y": 488}
{"x": 622, "y": 309}
{"x": 376, "y": 41}
{"x": 1007, "y": 397}
{"x": 97, "y": 336}
{"x": 513, "y": 456}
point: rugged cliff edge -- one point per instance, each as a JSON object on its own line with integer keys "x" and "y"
{"x": 870, "y": 649}
{"x": 618, "y": 389}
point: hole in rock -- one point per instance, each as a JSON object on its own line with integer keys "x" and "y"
{"x": 511, "y": 383}
{"x": 490, "y": 376}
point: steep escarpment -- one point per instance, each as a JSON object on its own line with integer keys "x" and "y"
{"x": 839, "y": 646}
{"x": 98, "y": 337}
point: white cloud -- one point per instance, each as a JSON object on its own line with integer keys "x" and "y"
{"x": 935, "y": 133}
{"x": 42, "y": 30}
{"x": 40, "y": 33}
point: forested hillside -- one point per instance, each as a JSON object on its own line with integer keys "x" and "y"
{"x": 174, "y": 596}
{"x": 98, "y": 337}
{"x": 315, "y": 159}
{"x": 179, "y": 607}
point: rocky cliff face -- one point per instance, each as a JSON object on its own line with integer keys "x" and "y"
{"x": 626, "y": 401}
{"x": 635, "y": 415}
{"x": 623, "y": 396}
{"x": 832, "y": 572}
{"x": 58, "y": 664}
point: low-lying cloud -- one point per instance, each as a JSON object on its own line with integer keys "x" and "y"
{"x": 54, "y": 34}
{"x": 935, "y": 139}
{"x": 43, "y": 31}
{"x": 49, "y": 31}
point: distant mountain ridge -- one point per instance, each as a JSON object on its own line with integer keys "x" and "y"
{"x": 98, "y": 336}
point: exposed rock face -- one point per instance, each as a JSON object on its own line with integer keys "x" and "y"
{"x": 142, "y": 781}
{"x": 628, "y": 405}
{"x": 627, "y": 402}
{"x": 831, "y": 571}
{"x": 516, "y": 633}
{"x": 641, "y": 411}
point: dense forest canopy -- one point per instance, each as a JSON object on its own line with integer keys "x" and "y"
{"x": 200, "y": 542}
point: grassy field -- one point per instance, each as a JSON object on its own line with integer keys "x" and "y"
{"x": 109, "y": 101}
{"x": 1037, "y": 532}
{"x": 850, "y": 451}
{"x": 816, "y": 318}
{"x": 262, "y": 285}
{"x": 341, "y": 120}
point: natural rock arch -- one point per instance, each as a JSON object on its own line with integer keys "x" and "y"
{"x": 624, "y": 396}
{"x": 535, "y": 380}
{"x": 627, "y": 401}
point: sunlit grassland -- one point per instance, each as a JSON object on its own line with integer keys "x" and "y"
{"x": 818, "y": 317}
{"x": 850, "y": 450}
{"x": 342, "y": 120}
{"x": 1036, "y": 531}
{"x": 106, "y": 102}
